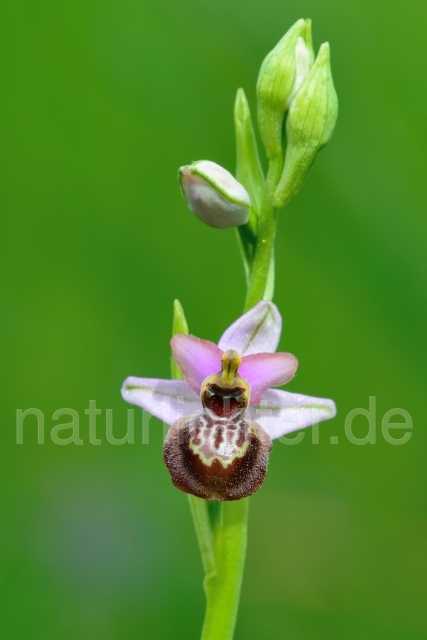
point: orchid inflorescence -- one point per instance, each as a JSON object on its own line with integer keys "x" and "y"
{"x": 223, "y": 413}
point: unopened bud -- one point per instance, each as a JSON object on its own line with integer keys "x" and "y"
{"x": 282, "y": 73}
{"x": 214, "y": 195}
{"x": 309, "y": 126}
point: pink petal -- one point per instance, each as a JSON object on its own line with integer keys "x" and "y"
{"x": 264, "y": 370}
{"x": 196, "y": 358}
{"x": 167, "y": 400}
{"x": 256, "y": 331}
{"x": 281, "y": 412}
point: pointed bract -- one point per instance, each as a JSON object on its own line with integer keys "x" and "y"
{"x": 248, "y": 165}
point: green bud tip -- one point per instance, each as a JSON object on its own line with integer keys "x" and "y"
{"x": 282, "y": 73}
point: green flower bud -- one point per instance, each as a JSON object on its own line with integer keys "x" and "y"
{"x": 309, "y": 126}
{"x": 214, "y": 195}
{"x": 282, "y": 73}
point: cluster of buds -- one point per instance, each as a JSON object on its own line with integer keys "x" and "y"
{"x": 297, "y": 103}
{"x": 295, "y": 86}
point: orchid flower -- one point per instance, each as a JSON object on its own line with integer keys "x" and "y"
{"x": 250, "y": 366}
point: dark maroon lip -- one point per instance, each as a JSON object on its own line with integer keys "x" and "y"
{"x": 217, "y": 459}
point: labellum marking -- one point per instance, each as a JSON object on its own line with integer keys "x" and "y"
{"x": 215, "y": 439}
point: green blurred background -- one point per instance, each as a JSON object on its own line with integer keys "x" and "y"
{"x": 101, "y": 103}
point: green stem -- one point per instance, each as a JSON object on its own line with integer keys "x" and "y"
{"x": 222, "y": 588}
{"x": 202, "y": 523}
{"x": 221, "y": 528}
{"x": 266, "y": 233}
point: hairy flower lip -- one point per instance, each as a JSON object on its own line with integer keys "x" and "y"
{"x": 255, "y": 336}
